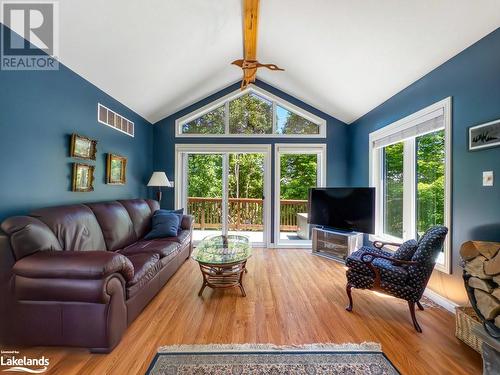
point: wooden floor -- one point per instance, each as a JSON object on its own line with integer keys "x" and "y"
{"x": 293, "y": 297}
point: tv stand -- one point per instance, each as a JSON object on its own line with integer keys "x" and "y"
{"x": 334, "y": 244}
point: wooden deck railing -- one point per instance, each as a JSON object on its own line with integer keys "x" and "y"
{"x": 244, "y": 213}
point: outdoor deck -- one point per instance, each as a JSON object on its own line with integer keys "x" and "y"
{"x": 245, "y": 216}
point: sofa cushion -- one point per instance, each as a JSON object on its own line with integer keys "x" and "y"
{"x": 164, "y": 225}
{"x": 388, "y": 270}
{"x": 75, "y": 226}
{"x": 406, "y": 250}
{"x": 154, "y": 205}
{"x": 29, "y": 235}
{"x": 391, "y": 273}
{"x": 354, "y": 261}
{"x": 146, "y": 266}
{"x": 115, "y": 222}
{"x": 140, "y": 213}
{"x": 181, "y": 237}
{"x": 74, "y": 265}
{"x": 158, "y": 246}
{"x": 430, "y": 244}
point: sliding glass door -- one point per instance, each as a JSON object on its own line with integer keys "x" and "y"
{"x": 298, "y": 168}
{"x": 246, "y": 195}
{"x": 225, "y": 190}
{"x": 205, "y": 192}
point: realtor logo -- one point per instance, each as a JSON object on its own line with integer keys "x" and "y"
{"x": 11, "y": 361}
{"x": 30, "y": 35}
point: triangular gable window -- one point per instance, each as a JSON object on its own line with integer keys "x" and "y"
{"x": 251, "y": 113}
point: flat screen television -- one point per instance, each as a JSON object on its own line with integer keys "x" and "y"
{"x": 347, "y": 209}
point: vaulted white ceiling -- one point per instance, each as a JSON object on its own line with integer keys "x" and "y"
{"x": 343, "y": 57}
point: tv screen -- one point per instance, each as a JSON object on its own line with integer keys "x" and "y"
{"x": 348, "y": 209}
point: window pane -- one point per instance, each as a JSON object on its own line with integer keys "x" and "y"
{"x": 210, "y": 123}
{"x": 250, "y": 114}
{"x": 430, "y": 181}
{"x": 299, "y": 173}
{"x": 393, "y": 190}
{"x": 291, "y": 123}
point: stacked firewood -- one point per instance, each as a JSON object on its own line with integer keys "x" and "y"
{"x": 482, "y": 274}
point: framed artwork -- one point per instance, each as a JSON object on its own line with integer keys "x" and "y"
{"x": 484, "y": 135}
{"x": 116, "y": 170}
{"x": 83, "y": 177}
{"x": 83, "y": 147}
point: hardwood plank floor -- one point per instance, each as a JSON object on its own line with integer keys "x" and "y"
{"x": 293, "y": 297}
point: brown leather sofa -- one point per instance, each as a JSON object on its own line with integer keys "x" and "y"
{"x": 79, "y": 275}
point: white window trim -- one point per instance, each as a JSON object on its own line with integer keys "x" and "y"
{"x": 181, "y": 177}
{"x": 375, "y": 165}
{"x": 276, "y": 100}
{"x": 294, "y": 148}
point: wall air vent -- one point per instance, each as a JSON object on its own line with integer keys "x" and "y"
{"x": 110, "y": 118}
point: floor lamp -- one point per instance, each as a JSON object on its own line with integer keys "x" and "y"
{"x": 159, "y": 179}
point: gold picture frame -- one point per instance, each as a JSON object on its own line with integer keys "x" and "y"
{"x": 116, "y": 169}
{"x": 83, "y": 147}
{"x": 83, "y": 177}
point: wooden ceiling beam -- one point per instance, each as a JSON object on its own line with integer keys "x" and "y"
{"x": 250, "y": 33}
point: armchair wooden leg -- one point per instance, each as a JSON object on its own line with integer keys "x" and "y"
{"x": 420, "y": 307}
{"x": 348, "y": 290}
{"x": 411, "y": 305}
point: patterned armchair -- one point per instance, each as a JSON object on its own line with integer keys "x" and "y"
{"x": 403, "y": 274}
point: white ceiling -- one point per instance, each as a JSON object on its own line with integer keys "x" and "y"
{"x": 343, "y": 57}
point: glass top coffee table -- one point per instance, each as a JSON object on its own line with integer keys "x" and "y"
{"x": 222, "y": 261}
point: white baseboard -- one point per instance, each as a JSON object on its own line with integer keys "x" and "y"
{"x": 440, "y": 300}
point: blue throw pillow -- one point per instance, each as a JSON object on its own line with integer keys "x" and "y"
{"x": 164, "y": 225}
{"x": 179, "y": 213}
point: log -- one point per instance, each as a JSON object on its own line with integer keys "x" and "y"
{"x": 485, "y": 285}
{"x": 475, "y": 268}
{"x": 488, "y": 305}
{"x": 468, "y": 251}
{"x": 471, "y": 249}
{"x": 497, "y": 279}
{"x": 487, "y": 249}
{"x": 492, "y": 266}
{"x": 496, "y": 293}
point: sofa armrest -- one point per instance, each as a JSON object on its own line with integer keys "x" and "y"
{"x": 187, "y": 222}
{"x": 74, "y": 265}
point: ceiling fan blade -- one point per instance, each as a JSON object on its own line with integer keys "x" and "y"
{"x": 270, "y": 67}
{"x": 238, "y": 62}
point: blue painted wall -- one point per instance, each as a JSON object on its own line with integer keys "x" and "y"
{"x": 164, "y": 139}
{"x": 472, "y": 79}
{"x": 39, "y": 110}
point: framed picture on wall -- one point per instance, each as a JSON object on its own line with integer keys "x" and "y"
{"x": 83, "y": 147}
{"x": 116, "y": 169}
{"x": 484, "y": 135}
{"x": 83, "y": 177}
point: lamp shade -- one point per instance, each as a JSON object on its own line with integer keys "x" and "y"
{"x": 159, "y": 179}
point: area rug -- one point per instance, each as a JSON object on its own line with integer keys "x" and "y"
{"x": 313, "y": 359}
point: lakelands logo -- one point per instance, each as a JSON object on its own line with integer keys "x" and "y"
{"x": 30, "y": 35}
{"x": 17, "y": 363}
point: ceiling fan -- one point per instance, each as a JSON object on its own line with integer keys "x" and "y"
{"x": 249, "y": 63}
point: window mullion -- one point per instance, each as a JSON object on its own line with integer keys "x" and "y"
{"x": 226, "y": 118}
{"x": 409, "y": 189}
{"x": 379, "y": 187}
{"x": 275, "y": 130}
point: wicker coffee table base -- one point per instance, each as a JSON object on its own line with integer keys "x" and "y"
{"x": 219, "y": 276}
